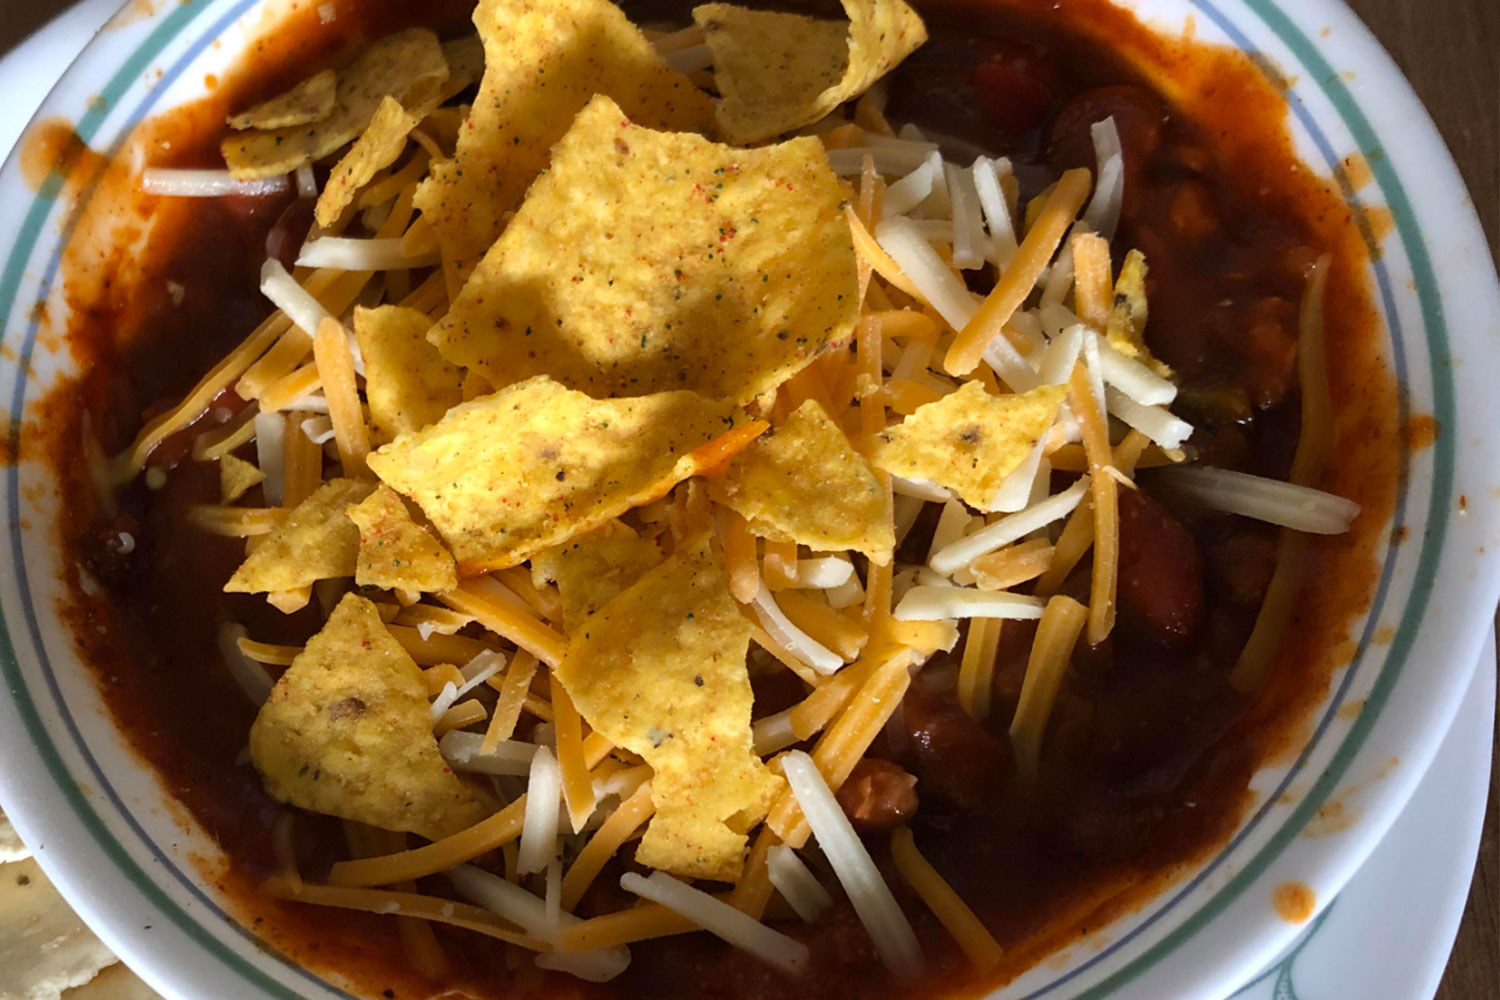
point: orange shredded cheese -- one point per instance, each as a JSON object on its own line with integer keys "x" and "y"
{"x": 637, "y": 923}
{"x": 1012, "y": 565}
{"x": 877, "y": 259}
{"x": 976, "y": 670}
{"x": 779, "y": 564}
{"x": 578, "y": 790}
{"x": 235, "y": 522}
{"x": 513, "y": 689}
{"x": 507, "y": 621}
{"x": 782, "y": 655}
{"x": 1056, "y": 635}
{"x": 466, "y": 713}
{"x": 823, "y": 624}
{"x": 948, "y": 906}
{"x": 1103, "y": 490}
{"x": 739, "y": 556}
{"x": 301, "y": 462}
{"x": 753, "y": 891}
{"x": 1021, "y": 275}
{"x": 1093, "y": 287}
{"x": 336, "y": 372}
{"x": 622, "y": 824}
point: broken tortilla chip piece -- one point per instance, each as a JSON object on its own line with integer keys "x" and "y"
{"x": 1126, "y": 328}
{"x": 779, "y": 71}
{"x": 310, "y": 101}
{"x": 382, "y": 141}
{"x": 803, "y": 482}
{"x": 347, "y": 731}
{"x": 408, "y": 384}
{"x": 316, "y": 542}
{"x": 395, "y": 552}
{"x": 236, "y": 477}
{"x": 660, "y": 670}
{"x": 45, "y": 948}
{"x": 518, "y": 471}
{"x": 543, "y": 61}
{"x": 591, "y": 569}
{"x": 646, "y": 261}
{"x": 408, "y": 66}
{"x": 969, "y": 440}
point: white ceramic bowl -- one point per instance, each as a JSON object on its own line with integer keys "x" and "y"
{"x": 107, "y": 833}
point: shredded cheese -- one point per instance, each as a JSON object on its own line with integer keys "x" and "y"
{"x": 578, "y": 791}
{"x": 1104, "y": 492}
{"x": 976, "y": 670}
{"x": 721, "y": 920}
{"x": 954, "y": 914}
{"x": 1017, "y": 281}
{"x": 621, "y": 825}
{"x": 507, "y": 621}
{"x": 1056, "y": 635}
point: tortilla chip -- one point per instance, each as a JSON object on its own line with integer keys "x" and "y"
{"x": 44, "y": 946}
{"x": 371, "y": 153}
{"x": 804, "y": 483}
{"x": 1126, "y": 329}
{"x": 347, "y": 732}
{"x": 310, "y": 101}
{"x": 115, "y": 983}
{"x": 542, "y": 64}
{"x": 778, "y": 72}
{"x": 11, "y": 846}
{"x": 660, "y": 670}
{"x": 465, "y": 58}
{"x": 969, "y": 440}
{"x": 408, "y": 66}
{"x": 518, "y": 471}
{"x": 591, "y": 569}
{"x": 648, "y": 261}
{"x": 408, "y": 384}
{"x": 395, "y": 552}
{"x": 316, "y": 542}
{"x": 236, "y": 477}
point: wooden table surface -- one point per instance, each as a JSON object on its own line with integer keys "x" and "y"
{"x": 1450, "y": 50}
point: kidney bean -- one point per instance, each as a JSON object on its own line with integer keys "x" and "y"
{"x": 960, "y": 766}
{"x": 878, "y": 795}
{"x": 1161, "y": 572}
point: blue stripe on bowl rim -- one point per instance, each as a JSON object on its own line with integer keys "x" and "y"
{"x": 191, "y": 16}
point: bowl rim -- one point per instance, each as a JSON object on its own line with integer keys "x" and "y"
{"x": 169, "y": 25}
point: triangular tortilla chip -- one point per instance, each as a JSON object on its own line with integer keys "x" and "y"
{"x": 310, "y": 101}
{"x": 347, "y": 731}
{"x": 969, "y": 440}
{"x": 660, "y": 670}
{"x": 778, "y": 71}
{"x": 803, "y": 482}
{"x": 236, "y": 477}
{"x": 395, "y": 552}
{"x": 518, "y": 471}
{"x": 317, "y": 542}
{"x": 543, "y": 61}
{"x": 407, "y": 383}
{"x": 591, "y": 569}
{"x": 1126, "y": 329}
{"x": 408, "y": 66}
{"x": 646, "y": 261}
{"x": 383, "y": 140}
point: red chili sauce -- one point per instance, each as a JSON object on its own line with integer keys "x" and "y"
{"x": 1149, "y": 749}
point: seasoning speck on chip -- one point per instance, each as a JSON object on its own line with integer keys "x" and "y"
{"x": 660, "y": 670}
{"x": 510, "y": 474}
{"x": 347, "y": 731}
{"x": 780, "y": 71}
{"x": 647, "y": 261}
{"x": 969, "y": 440}
{"x": 805, "y": 483}
{"x": 543, "y": 62}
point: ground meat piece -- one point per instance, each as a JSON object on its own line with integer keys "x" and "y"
{"x": 878, "y": 795}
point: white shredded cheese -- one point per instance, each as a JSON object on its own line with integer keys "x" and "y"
{"x": 690, "y": 59}
{"x": 1007, "y": 363}
{"x": 968, "y": 220}
{"x": 319, "y": 429}
{"x": 344, "y": 253}
{"x": 270, "y": 444}
{"x": 900, "y": 238}
{"x": 1300, "y": 508}
{"x": 889, "y": 160}
{"x": 895, "y": 942}
{"x": 773, "y": 733}
{"x": 824, "y": 572}
{"x": 987, "y": 175}
{"x": 307, "y": 183}
{"x": 543, "y": 803}
{"x": 1103, "y": 213}
{"x": 1008, "y": 529}
{"x": 1156, "y": 422}
{"x": 953, "y": 524}
{"x": 799, "y": 643}
{"x": 797, "y": 885}
{"x": 480, "y": 669}
{"x": 1061, "y": 356}
{"x": 920, "y": 489}
{"x": 1016, "y": 488}
{"x": 462, "y": 751}
{"x": 845, "y": 595}
{"x": 172, "y": 183}
{"x": 910, "y": 191}
{"x": 929, "y": 603}
{"x": 291, "y": 298}
{"x": 1134, "y": 379}
{"x": 721, "y": 920}
{"x": 444, "y": 701}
